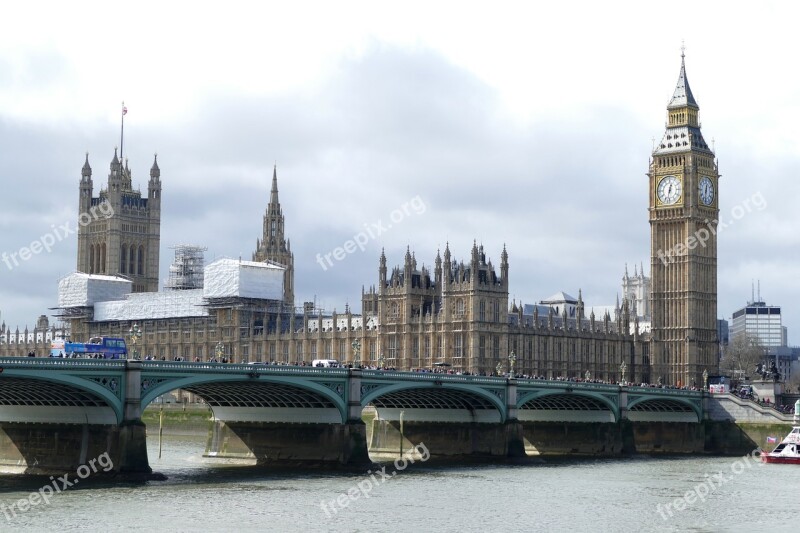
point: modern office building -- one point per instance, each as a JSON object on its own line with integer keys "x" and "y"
{"x": 723, "y": 331}
{"x": 761, "y": 321}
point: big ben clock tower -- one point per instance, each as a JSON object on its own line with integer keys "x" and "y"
{"x": 684, "y": 208}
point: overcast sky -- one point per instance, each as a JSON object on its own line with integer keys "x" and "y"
{"x": 524, "y": 124}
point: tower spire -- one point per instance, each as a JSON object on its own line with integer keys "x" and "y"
{"x": 86, "y": 171}
{"x": 273, "y": 196}
{"x": 683, "y": 94}
{"x": 683, "y": 125}
{"x": 274, "y": 246}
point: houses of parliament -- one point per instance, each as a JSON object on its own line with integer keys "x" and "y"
{"x": 455, "y": 315}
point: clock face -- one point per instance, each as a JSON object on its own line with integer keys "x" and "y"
{"x": 669, "y": 190}
{"x": 706, "y": 190}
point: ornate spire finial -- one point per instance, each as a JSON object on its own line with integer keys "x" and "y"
{"x": 683, "y": 48}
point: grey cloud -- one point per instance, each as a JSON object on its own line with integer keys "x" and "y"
{"x": 567, "y": 197}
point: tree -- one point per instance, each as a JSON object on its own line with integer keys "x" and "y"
{"x": 793, "y": 385}
{"x": 742, "y": 355}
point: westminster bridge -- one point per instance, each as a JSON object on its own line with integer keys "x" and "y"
{"x": 59, "y": 412}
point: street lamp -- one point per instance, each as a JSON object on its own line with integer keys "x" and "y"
{"x": 381, "y": 361}
{"x": 512, "y": 358}
{"x": 705, "y": 379}
{"x": 622, "y": 368}
{"x": 220, "y": 351}
{"x": 135, "y": 334}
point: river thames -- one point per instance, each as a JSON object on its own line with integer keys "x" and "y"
{"x": 634, "y": 494}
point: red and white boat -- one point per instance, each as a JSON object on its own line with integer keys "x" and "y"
{"x": 787, "y": 452}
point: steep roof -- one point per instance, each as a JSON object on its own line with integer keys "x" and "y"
{"x": 683, "y": 93}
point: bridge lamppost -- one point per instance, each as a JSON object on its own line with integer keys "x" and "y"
{"x": 499, "y": 368}
{"x": 622, "y": 369}
{"x": 220, "y": 351}
{"x": 705, "y": 379}
{"x": 381, "y": 361}
{"x": 512, "y": 358}
{"x": 356, "y": 348}
{"x": 135, "y": 334}
{"x": 588, "y": 375}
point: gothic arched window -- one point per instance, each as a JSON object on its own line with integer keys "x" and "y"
{"x": 123, "y": 259}
{"x": 140, "y": 270}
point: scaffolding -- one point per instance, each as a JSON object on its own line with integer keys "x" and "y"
{"x": 186, "y": 270}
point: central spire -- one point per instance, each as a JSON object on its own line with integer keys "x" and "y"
{"x": 273, "y": 197}
{"x": 683, "y": 125}
{"x": 683, "y": 93}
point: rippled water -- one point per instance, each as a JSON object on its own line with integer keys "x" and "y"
{"x": 565, "y": 495}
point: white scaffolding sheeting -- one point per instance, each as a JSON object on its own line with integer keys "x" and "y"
{"x": 152, "y": 306}
{"x": 227, "y": 278}
{"x": 186, "y": 271}
{"x": 84, "y": 290}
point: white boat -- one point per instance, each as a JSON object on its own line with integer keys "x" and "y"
{"x": 787, "y": 452}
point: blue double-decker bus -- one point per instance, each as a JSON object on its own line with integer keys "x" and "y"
{"x": 97, "y": 347}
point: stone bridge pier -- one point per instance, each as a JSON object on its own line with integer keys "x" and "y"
{"x": 444, "y": 420}
{"x": 130, "y": 436}
{"x": 315, "y": 430}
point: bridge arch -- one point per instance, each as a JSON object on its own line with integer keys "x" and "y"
{"x": 566, "y": 406}
{"x": 445, "y": 402}
{"x": 230, "y": 395}
{"x": 664, "y": 409}
{"x": 26, "y": 388}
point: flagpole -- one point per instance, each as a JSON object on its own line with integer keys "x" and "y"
{"x": 122, "y": 130}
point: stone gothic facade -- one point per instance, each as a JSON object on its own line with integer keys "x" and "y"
{"x": 119, "y": 231}
{"x": 457, "y": 314}
{"x": 273, "y": 245}
{"x": 16, "y": 343}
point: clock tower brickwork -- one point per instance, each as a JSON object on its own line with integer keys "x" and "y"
{"x": 684, "y": 209}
